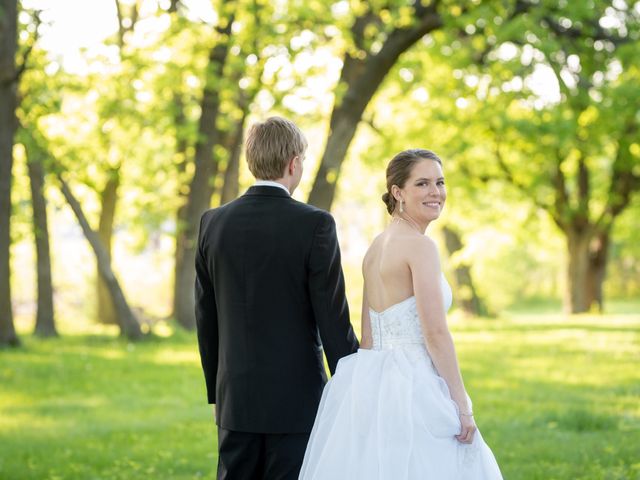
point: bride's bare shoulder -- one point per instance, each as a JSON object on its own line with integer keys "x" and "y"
{"x": 373, "y": 248}
{"x": 422, "y": 248}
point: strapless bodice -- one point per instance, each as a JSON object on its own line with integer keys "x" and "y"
{"x": 399, "y": 325}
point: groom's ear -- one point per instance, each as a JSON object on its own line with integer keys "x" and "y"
{"x": 291, "y": 167}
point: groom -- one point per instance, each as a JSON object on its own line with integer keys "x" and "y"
{"x": 269, "y": 299}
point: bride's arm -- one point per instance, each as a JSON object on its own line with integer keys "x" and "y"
{"x": 367, "y": 339}
{"x": 424, "y": 263}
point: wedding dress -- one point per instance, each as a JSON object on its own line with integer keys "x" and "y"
{"x": 386, "y": 414}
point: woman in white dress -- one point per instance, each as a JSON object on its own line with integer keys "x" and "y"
{"x": 398, "y": 409}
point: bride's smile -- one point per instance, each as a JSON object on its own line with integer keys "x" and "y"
{"x": 424, "y": 193}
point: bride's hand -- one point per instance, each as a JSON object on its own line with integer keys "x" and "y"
{"x": 468, "y": 429}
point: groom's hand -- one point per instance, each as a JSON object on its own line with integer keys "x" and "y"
{"x": 468, "y": 429}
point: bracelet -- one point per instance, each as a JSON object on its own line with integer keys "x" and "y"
{"x": 466, "y": 414}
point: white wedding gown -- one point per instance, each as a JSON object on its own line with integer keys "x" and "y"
{"x": 386, "y": 413}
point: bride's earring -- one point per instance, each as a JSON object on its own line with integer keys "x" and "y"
{"x": 401, "y": 206}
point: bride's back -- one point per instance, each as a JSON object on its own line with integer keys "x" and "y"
{"x": 387, "y": 276}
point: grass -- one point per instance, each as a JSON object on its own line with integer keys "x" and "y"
{"x": 86, "y": 407}
{"x": 555, "y": 397}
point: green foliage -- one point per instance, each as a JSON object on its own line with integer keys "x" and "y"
{"x": 93, "y": 122}
{"x": 553, "y": 397}
{"x": 466, "y": 91}
{"x": 473, "y": 93}
{"x": 623, "y": 280}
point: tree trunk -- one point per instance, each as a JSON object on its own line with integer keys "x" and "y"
{"x": 231, "y": 187}
{"x": 577, "y": 298}
{"x": 596, "y": 272}
{"x": 8, "y": 86}
{"x": 45, "y": 319}
{"x": 361, "y": 79}
{"x": 466, "y": 292}
{"x": 341, "y": 131}
{"x": 201, "y": 187}
{"x": 127, "y": 322}
{"x": 180, "y": 274}
{"x": 181, "y": 214}
{"x": 109, "y": 198}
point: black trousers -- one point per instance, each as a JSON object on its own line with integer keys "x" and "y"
{"x": 260, "y": 456}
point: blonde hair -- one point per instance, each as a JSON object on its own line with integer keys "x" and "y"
{"x": 271, "y": 145}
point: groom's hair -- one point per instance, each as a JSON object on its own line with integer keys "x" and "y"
{"x": 271, "y": 145}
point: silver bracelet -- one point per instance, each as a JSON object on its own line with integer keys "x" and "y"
{"x": 466, "y": 414}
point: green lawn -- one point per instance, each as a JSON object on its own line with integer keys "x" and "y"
{"x": 555, "y": 398}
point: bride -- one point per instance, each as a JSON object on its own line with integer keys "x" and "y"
{"x": 398, "y": 408}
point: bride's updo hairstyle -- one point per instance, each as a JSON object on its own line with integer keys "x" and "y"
{"x": 399, "y": 171}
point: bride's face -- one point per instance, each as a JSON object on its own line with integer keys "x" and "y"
{"x": 424, "y": 192}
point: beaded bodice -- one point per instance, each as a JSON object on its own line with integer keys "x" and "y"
{"x": 399, "y": 325}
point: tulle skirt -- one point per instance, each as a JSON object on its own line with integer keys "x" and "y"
{"x": 388, "y": 415}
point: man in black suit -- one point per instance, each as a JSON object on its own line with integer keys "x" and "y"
{"x": 269, "y": 299}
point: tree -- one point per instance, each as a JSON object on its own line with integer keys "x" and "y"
{"x": 466, "y": 293}
{"x": 421, "y": 104}
{"x": 380, "y": 36}
{"x": 247, "y": 35}
{"x": 586, "y": 165}
{"x": 571, "y": 153}
{"x": 78, "y": 103}
{"x": 127, "y": 321}
{"x": 113, "y": 138}
{"x": 35, "y": 98}
{"x": 45, "y": 321}
{"x": 205, "y": 169}
{"x": 9, "y": 75}
{"x": 105, "y": 311}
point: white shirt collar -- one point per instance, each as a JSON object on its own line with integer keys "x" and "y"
{"x": 270, "y": 183}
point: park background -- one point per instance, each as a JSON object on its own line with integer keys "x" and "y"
{"x": 123, "y": 120}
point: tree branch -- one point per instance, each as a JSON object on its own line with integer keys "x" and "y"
{"x": 133, "y": 18}
{"x": 372, "y": 124}
{"x": 521, "y": 7}
{"x": 121, "y": 29}
{"x": 575, "y": 33}
{"x": 174, "y": 6}
{"x": 360, "y": 25}
{"x": 508, "y": 174}
{"x": 583, "y": 186}
{"x": 561, "y": 203}
{"x": 128, "y": 323}
{"x": 21, "y": 68}
{"x": 623, "y": 180}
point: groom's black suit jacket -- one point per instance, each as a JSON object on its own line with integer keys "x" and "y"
{"x": 269, "y": 297}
